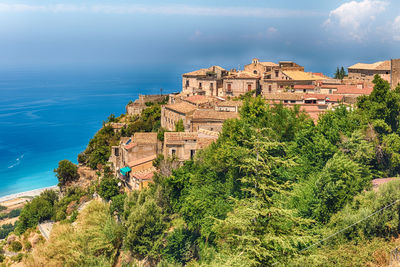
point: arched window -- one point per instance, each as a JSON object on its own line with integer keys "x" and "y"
{"x": 255, "y": 72}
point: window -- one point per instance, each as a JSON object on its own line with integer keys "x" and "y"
{"x": 249, "y": 87}
{"x": 285, "y": 101}
{"x": 270, "y": 88}
{"x": 211, "y": 86}
{"x": 200, "y": 85}
{"x": 229, "y": 87}
{"x": 187, "y": 83}
{"x": 304, "y": 90}
{"x": 277, "y": 73}
{"x": 173, "y": 152}
{"x": 116, "y": 152}
{"x": 268, "y": 76}
{"x": 255, "y": 72}
{"x": 192, "y": 152}
{"x": 292, "y": 101}
{"x": 330, "y": 91}
{"x": 387, "y": 72}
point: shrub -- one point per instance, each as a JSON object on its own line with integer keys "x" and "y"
{"x": 108, "y": 188}
{"x": 27, "y": 245}
{"x": 15, "y": 246}
{"x": 2, "y": 208}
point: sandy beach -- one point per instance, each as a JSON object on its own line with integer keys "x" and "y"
{"x": 31, "y": 193}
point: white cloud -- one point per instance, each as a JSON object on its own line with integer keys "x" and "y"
{"x": 161, "y": 10}
{"x": 396, "y": 29}
{"x": 356, "y": 18}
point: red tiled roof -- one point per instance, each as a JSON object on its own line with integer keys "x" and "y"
{"x": 351, "y": 89}
{"x": 145, "y": 174}
{"x": 130, "y": 145}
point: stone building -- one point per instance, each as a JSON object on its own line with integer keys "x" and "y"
{"x": 259, "y": 68}
{"x": 139, "y": 146}
{"x": 239, "y": 83}
{"x": 183, "y": 145}
{"x": 136, "y": 107}
{"x": 285, "y": 80}
{"x": 395, "y": 73}
{"x": 366, "y": 72}
{"x": 171, "y": 114}
{"x": 203, "y": 82}
{"x": 210, "y": 119}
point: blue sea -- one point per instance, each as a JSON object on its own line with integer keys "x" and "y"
{"x": 48, "y": 116}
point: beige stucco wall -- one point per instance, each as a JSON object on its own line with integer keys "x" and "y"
{"x": 238, "y": 86}
{"x": 169, "y": 118}
{"x": 182, "y": 151}
{"x": 368, "y": 75}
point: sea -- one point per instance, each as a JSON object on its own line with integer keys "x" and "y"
{"x": 50, "y": 115}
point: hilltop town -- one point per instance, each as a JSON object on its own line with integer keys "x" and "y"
{"x": 211, "y": 95}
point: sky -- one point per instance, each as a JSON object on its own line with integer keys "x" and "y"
{"x": 180, "y": 36}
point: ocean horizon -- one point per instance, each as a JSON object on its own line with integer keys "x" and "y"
{"x": 48, "y": 116}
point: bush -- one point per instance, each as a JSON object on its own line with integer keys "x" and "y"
{"x": 2, "y": 208}
{"x": 117, "y": 204}
{"x": 180, "y": 246}
{"x": 15, "y": 246}
{"x": 66, "y": 172}
{"x": 27, "y": 245}
{"x": 5, "y": 229}
{"x": 108, "y": 188}
{"x": 2, "y": 258}
{"x": 14, "y": 213}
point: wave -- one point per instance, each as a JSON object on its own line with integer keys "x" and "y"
{"x": 17, "y": 162}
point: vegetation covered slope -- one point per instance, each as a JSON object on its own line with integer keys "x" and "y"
{"x": 272, "y": 186}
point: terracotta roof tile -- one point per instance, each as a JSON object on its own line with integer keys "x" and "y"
{"x": 230, "y": 103}
{"x": 301, "y": 75}
{"x": 284, "y": 96}
{"x": 137, "y": 162}
{"x": 146, "y": 174}
{"x": 145, "y": 138}
{"x": 380, "y": 65}
{"x": 242, "y": 75}
{"x": 181, "y": 107}
{"x": 174, "y": 137}
{"x": 210, "y": 114}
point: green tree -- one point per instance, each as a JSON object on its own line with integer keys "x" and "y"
{"x": 108, "y": 188}
{"x": 145, "y": 228}
{"x": 66, "y": 172}
{"x": 179, "y": 126}
{"x": 340, "y": 180}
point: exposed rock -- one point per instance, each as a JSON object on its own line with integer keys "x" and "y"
{"x": 71, "y": 207}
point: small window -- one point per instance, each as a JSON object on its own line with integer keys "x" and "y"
{"x": 192, "y": 152}
{"x": 211, "y": 86}
{"x": 173, "y": 152}
{"x": 304, "y": 90}
{"x": 277, "y": 73}
{"x": 116, "y": 152}
{"x": 330, "y": 91}
{"x": 187, "y": 83}
{"x": 292, "y": 101}
{"x": 255, "y": 72}
{"x": 387, "y": 72}
{"x": 200, "y": 85}
{"x": 249, "y": 87}
{"x": 285, "y": 101}
{"x": 229, "y": 87}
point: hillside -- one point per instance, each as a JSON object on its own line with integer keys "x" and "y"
{"x": 275, "y": 189}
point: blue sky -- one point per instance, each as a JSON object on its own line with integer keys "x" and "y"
{"x": 176, "y": 36}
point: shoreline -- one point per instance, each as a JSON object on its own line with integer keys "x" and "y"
{"x": 30, "y": 193}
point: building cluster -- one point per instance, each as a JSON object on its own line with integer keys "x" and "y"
{"x": 194, "y": 117}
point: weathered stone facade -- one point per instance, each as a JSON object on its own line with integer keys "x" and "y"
{"x": 171, "y": 114}
{"x": 203, "y": 82}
